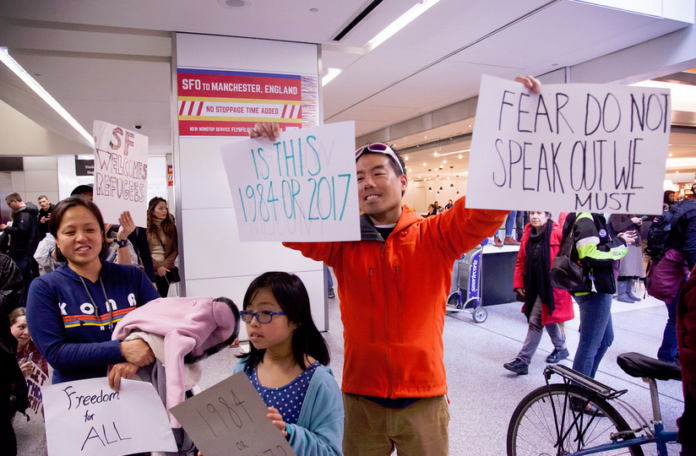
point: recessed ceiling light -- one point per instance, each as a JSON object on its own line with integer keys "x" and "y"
{"x": 435, "y": 154}
{"x": 406, "y": 18}
{"x": 424, "y": 164}
{"x": 235, "y": 3}
{"x": 460, "y": 155}
{"x": 670, "y": 155}
{"x": 445, "y": 162}
{"x": 425, "y": 137}
{"x": 470, "y": 125}
{"x": 406, "y": 158}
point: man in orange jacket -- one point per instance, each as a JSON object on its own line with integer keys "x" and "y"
{"x": 393, "y": 285}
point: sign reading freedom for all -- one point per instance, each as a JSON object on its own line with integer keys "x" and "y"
{"x": 230, "y": 419}
{"x": 302, "y": 187}
{"x": 86, "y": 417}
{"x": 575, "y": 147}
{"x": 120, "y": 173}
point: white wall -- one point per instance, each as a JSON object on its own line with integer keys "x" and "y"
{"x": 40, "y": 177}
{"x": 214, "y": 262}
{"x": 22, "y": 137}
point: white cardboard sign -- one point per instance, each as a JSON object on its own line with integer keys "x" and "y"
{"x": 302, "y": 187}
{"x": 574, "y": 147}
{"x": 229, "y": 419}
{"x": 86, "y": 417}
{"x": 120, "y": 172}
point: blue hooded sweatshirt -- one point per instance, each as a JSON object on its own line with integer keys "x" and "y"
{"x": 73, "y": 336}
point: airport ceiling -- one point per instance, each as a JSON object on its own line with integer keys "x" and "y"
{"x": 111, "y": 60}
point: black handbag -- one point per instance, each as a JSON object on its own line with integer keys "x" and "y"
{"x": 567, "y": 274}
{"x": 173, "y": 275}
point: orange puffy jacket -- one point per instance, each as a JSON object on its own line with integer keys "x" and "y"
{"x": 393, "y": 297}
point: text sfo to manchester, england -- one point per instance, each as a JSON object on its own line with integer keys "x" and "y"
{"x": 537, "y": 167}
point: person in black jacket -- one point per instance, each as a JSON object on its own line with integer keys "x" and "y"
{"x": 11, "y": 285}
{"x": 13, "y": 388}
{"x": 24, "y": 237}
{"x": 44, "y": 214}
{"x": 596, "y": 251}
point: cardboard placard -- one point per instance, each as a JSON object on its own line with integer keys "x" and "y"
{"x": 229, "y": 419}
{"x": 86, "y": 417}
{"x": 35, "y": 381}
{"x": 302, "y": 187}
{"x": 120, "y": 172}
{"x": 573, "y": 147}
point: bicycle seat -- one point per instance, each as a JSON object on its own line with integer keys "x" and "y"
{"x": 637, "y": 365}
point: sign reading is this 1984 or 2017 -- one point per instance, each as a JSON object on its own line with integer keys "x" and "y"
{"x": 302, "y": 187}
{"x": 574, "y": 147}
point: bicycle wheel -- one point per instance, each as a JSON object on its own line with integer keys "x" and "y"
{"x": 545, "y": 424}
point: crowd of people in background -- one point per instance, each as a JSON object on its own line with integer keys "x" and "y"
{"x": 90, "y": 300}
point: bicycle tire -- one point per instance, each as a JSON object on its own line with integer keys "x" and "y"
{"x": 533, "y": 428}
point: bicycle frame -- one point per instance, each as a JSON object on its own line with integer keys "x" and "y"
{"x": 655, "y": 435}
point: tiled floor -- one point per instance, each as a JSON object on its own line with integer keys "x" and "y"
{"x": 483, "y": 394}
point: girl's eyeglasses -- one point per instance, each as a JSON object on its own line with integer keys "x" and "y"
{"x": 262, "y": 316}
{"x": 380, "y": 148}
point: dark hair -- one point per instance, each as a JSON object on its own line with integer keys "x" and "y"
{"x": 42, "y": 197}
{"x": 667, "y": 194}
{"x": 14, "y": 196}
{"x": 167, "y": 225}
{"x": 392, "y": 163}
{"x": 15, "y": 314}
{"x": 57, "y": 218}
{"x": 190, "y": 358}
{"x": 293, "y": 299}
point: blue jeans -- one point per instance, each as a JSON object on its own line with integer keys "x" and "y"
{"x": 669, "y": 350}
{"x": 510, "y": 223}
{"x": 596, "y": 332}
{"x": 329, "y": 279}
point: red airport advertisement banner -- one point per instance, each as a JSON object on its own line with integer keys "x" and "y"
{"x": 228, "y": 103}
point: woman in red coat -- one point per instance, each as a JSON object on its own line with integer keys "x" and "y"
{"x": 544, "y": 306}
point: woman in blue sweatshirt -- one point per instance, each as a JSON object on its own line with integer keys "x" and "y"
{"x": 72, "y": 311}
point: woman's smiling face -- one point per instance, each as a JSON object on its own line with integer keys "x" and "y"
{"x": 79, "y": 236}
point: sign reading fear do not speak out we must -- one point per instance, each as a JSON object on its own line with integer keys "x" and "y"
{"x": 574, "y": 147}
{"x": 300, "y": 187}
{"x": 120, "y": 173}
{"x": 86, "y": 417}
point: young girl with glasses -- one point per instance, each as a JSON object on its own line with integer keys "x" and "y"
{"x": 287, "y": 365}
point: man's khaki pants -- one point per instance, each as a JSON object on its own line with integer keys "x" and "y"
{"x": 421, "y": 429}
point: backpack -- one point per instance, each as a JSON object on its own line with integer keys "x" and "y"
{"x": 660, "y": 229}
